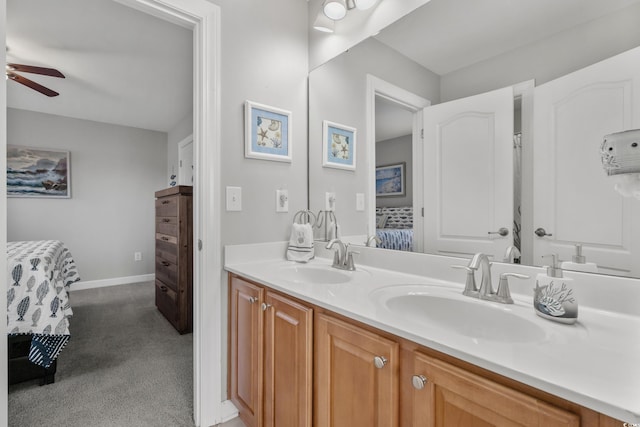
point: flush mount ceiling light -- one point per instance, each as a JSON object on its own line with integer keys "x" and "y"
{"x": 335, "y": 9}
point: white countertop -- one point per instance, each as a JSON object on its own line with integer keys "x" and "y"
{"x": 594, "y": 363}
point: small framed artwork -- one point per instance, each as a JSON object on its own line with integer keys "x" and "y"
{"x": 38, "y": 172}
{"x": 267, "y": 133}
{"x": 390, "y": 180}
{"x": 338, "y": 146}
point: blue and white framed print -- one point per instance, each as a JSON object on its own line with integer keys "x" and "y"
{"x": 38, "y": 172}
{"x": 267, "y": 133}
{"x": 338, "y": 146}
{"x": 390, "y": 180}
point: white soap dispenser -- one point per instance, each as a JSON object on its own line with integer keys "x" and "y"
{"x": 579, "y": 262}
{"x": 554, "y": 297}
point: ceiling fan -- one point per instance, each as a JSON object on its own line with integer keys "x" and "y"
{"x": 12, "y": 69}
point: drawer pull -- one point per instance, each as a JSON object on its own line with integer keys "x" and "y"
{"x": 165, "y": 263}
{"x": 165, "y": 238}
{"x": 253, "y": 300}
{"x": 163, "y": 288}
{"x": 419, "y": 381}
{"x": 380, "y": 361}
{"x": 166, "y": 202}
{"x": 265, "y": 306}
{"x": 166, "y": 220}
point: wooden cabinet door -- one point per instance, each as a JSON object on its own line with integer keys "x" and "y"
{"x": 245, "y": 350}
{"x": 452, "y": 397}
{"x": 288, "y": 362}
{"x": 350, "y": 390}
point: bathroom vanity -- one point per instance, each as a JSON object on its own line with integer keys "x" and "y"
{"x": 313, "y": 345}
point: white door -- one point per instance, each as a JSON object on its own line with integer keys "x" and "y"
{"x": 574, "y": 200}
{"x": 185, "y": 161}
{"x": 468, "y": 175}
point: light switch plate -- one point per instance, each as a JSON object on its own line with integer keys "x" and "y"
{"x": 234, "y": 199}
{"x": 282, "y": 201}
{"x": 330, "y": 201}
{"x": 359, "y": 202}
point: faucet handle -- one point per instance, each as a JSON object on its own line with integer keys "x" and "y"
{"x": 350, "y": 264}
{"x": 470, "y": 288}
{"x": 503, "y": 293}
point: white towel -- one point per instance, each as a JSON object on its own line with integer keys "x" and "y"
{"x": 301, "y": 243}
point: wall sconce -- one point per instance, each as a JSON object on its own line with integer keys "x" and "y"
{"x": 335, "y": 10}
{"x": 620, "y": 155}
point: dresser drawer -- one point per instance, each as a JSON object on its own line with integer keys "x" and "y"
{"x": 167, "y": 272}
{"x": 167, "y": 206}
{"x": 167, "y": 225}
{"x": 167, "y": 302}
{"x": 166, "y": 238}
{"x": 170, "y": 254}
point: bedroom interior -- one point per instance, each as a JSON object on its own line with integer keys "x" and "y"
{"x": 122, "y": 150}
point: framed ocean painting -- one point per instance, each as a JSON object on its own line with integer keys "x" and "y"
{"x": 338, "y": 146}
{"x": 267, "y": 133}
{"x": 390, "y": 180}
{"x": 38, "y": 172}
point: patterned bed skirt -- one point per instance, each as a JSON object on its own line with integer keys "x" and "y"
{"x": 400, "y": 239}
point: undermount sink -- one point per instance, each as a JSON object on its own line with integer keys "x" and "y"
{"x": 449, "y": 309}
{"x": 313, "y": 275}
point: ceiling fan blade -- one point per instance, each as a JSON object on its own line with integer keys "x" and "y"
{"x": 35, "y": 70}
{"x": 33, "y": 85}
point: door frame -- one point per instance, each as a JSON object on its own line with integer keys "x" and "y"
{"x": 415, "y": 104}
{"x": 188, "y": 140}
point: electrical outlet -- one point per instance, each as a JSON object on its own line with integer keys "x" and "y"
{"x": 137, "y": 256}
{"x": 282, "y": 201}
{"x": 330, "y": 201}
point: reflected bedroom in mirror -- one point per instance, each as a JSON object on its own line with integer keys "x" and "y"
{"x": 483, "y": 127}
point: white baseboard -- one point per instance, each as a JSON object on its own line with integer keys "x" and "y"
{"x": 228, "y": 411}
{"x": 90, "y": 284}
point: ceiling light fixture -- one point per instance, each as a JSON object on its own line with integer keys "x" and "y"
{"x": 324, "y": 24}
{"x": 335, "y": 9}
{"x": 365, "y": 4}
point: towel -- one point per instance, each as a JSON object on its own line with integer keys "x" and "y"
{"x": 301, "y": 243}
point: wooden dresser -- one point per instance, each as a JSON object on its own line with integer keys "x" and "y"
{"x": 174, "y": 256}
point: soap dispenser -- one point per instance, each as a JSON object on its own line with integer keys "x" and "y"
{"x": 579, "y": 262}
{"x": 554, "y": 297}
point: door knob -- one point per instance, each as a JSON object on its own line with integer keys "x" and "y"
{"x": 541, "y": 232}
{"x": 380, "y": 361}
{"x": 503, "y": 231}
{"x": 419, "y": 381}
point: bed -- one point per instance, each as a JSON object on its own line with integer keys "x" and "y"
{"x": 38, "y": 308}
{"x": 394, "y": 228}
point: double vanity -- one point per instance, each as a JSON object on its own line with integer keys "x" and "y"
{"x": 396, "y": 343}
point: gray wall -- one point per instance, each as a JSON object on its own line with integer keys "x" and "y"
{"x": 550, "y": 58}
{"x": 392, "y": 151}
{"x": 115, "y": 171}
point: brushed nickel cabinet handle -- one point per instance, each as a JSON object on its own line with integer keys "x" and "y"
{"x": 253, "y": 300}
{"x": 380, "y": 361}
{"x": 419, "y": 381}
{"x": 265, "y": 306}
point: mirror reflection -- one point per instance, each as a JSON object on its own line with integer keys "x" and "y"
{"x": 479, "y": 130}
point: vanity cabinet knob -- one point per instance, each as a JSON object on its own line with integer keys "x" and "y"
{"x": 253, "y": 300}
{"x": 380, "y": 361}
{"x": 265, "y": 306}
{"x": 419, "y": 381}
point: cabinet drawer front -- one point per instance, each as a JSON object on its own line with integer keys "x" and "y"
{"x": 166, "y": 301}
{"x": 167, "y": 238}
{"x": 167, "y": 254}
{"x": 167, "y": 225}
{"x": 167, "y": 206}
{"x": 167, "y": 272}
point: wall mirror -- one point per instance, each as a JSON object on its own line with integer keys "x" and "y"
{"x": 478, "y": 130}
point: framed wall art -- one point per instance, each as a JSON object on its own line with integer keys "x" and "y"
{"x": 338, "y": 146}
{"x": 38, "y": 172}
{"x": 267, "y": 133}
{"x": 390, "y": 180}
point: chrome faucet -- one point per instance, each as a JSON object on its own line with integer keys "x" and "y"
{"x": 512, "y": 255}
{"x": 372, "y": 238}
{"x": 481, "y": 261}
{"x": 342, "y": 258}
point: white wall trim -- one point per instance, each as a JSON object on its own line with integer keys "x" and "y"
{"x": 203, "y": 17}
{"x": 4, "y": 371}
{"x": 229, "y": 411}
{"x": 415, "y": 104}
{"x": 114, "y": 281}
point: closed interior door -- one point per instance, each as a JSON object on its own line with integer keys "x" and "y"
{"x": 468, "y": 175}
{"x": 574, "y": 199}
{"x": 185, "y": 162}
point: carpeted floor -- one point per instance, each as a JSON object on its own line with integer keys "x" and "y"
{"x": 125, "y": 365}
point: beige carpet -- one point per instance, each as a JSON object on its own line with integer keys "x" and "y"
{"x": 125, "y": 365}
